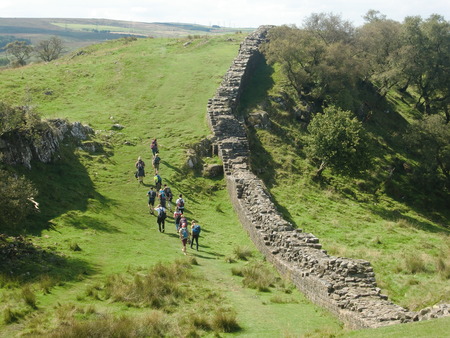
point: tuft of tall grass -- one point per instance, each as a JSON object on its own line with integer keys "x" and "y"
{"x": 159, "y": 288}
{"x": 258, "y": 276}
{"x": 74, "y": 246}
{"x": 46, "y": 283}
{"x": 414, "y": 264}
{"x": 443, "y": 267}
{"x": 29, "y": 297}
{"x": 10, "y": 315}
{"x": 225, "y": 321}
{"x": 242, "y": 252}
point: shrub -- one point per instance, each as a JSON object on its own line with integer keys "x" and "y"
{"x": 15, "y": 199}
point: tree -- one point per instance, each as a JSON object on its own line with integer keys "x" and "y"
{"x": 20, "y": 50}
{"x": 337, "y": 140}
{"x": 378, "y": 42}
{"x": 319, "y": 61}
{"x": 51, "y": 49}
{"x": 429, "y": 138}
{"x": 424, "y": 60}
{"x": 16, "y": 199}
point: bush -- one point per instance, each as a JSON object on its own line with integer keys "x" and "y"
{"x": 337, "y": 140}
{"x": 16, "y": 199}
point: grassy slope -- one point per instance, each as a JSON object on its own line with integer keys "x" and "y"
{"x": 155, "y": 88}
{"x": 408, "y": 247}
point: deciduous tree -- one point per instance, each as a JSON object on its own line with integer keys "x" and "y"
{"x": 337, "y": 140}
{"x": 20, "y": 50}
{"x": 51, "y": 49}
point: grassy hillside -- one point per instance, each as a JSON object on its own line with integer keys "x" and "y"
{"x": 154, "y": 88}
{"x": 95, "y": 244}
{"x": 376, "y": 216}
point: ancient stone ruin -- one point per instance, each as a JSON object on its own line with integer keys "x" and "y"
{"x": 346, "y": 287}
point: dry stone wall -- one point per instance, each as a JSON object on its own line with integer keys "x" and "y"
{"x": 346, "y": 287}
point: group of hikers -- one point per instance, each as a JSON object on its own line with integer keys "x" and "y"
{"x": 164, "y": 196}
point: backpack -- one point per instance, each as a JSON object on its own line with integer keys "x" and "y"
{"x": 140, "y": 165}
{"x": 180, "y": 203}
{"x": 156, "y": 160}
{"x": 168, "y": 193}
{"x": 158, "y": 179}
{"x": 162, "y": 214}
{"x": 184, "y": 233}
{"x": 196, "y": 230}
{"x": 152, "y": 194}
{"x": 183, "y": 220}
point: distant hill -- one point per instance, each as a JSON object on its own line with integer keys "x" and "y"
{"x": 77, "y": 33}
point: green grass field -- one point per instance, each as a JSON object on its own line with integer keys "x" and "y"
{"x": 94, "y": 227}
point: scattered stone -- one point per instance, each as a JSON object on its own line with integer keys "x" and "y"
{"x": 117, "y": 126}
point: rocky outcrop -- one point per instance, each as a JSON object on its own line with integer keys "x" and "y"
{"x": 22, "y": 148}
{"x": 346, "y": 287}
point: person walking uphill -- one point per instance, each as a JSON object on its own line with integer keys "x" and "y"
{"x": 195, "y": 231}
{"x": 154, "y": 147}
{"x": 158, "y": 181}
{"x": 180, "y": 203}
{"x": 156, "y": 161}
{"x": 140, "y": 173}
{"x": 151, "y": 200}
{"x": 161, "y": 220}
{"x": 184, "y": 236}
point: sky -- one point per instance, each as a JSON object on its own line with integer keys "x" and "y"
{"x": 230, "y": 13}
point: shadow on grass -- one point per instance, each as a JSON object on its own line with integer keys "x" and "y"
{"x": 405, "y": 221}
{"x": 64, "y": 185}
{"x": 87, "y": 222}
{"x": 23, "y": 262}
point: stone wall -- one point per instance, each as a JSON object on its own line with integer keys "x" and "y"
{"x": 346, "y": 287}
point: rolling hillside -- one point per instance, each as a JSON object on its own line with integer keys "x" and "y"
{"x": 94, "y": 232}
{"x": 81, "y": 32}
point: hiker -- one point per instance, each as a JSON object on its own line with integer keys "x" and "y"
{"x": 183, "y": 220}
{"x": 140, "y": 173}
{"x": 195, "y": 231}
{"x": 162, "y": 198}
{"x": 161, "y": 220}
{"x": 169, "y": 196}
{"x": 154, "y": 147}
{"x": 155, "y": 162}
{"x": 184, "y": 236}
{"x": 177, "y": 217}
{"x": 158, "y": 181}
{"x": 180, "y": 203}
{"x": 151, "y": 200}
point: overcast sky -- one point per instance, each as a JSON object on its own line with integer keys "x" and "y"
{"x": 232, "y": 13}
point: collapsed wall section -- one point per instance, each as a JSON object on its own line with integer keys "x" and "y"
{"x": 346, "y": 287}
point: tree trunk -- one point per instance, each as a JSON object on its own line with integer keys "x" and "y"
{"x": 319, "y": 171}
